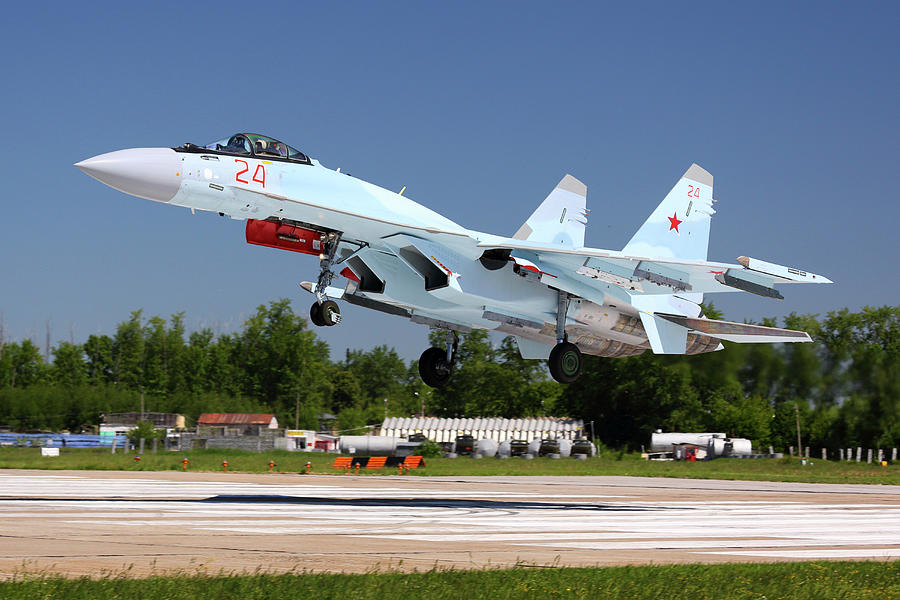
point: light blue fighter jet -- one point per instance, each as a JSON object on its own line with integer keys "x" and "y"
{"x": 558, "y": 298}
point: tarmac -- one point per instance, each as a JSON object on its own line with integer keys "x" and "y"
{"x": 91, "y": 523}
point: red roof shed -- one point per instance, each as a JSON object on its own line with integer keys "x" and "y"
{"x": 261, "y": 419}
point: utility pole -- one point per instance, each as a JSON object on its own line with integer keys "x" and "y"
{"x": 142, "y": 403}
{"x": 47, "y": 342}
{"x": 385, "y": 409}
{"x": 297, "y": 411}
{"x": 797, "y": 418}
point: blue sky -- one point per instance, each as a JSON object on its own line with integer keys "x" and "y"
{"x": 478, "y": 108}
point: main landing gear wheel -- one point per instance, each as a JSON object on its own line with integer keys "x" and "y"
{"x": 326, "y": 314}
{"x": 315, "y": 315}
{"x": 565, "y": 362}
{"x": 434, "y": 368}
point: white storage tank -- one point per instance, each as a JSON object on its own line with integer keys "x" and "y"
{"x": 503, "y": 449}
{"x": 486, "y": 448}
{"x": 663, "y": 442}
{"x": 740, "y": 447}
{"x": 368, "y": 445}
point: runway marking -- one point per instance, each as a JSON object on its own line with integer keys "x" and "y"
{"x": 26, "y": 486}
{"x": 376, "y": 519}
{"x": 812, "y": 554}
{"x": 695, "y": 544}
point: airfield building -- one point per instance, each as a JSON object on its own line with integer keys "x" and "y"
{"x": 121, "y": 423}
{"x": 235, "y": 424}
{"x": 490, "y": 428}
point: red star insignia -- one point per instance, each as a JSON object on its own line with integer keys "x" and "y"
{"x": 674, "y": 223}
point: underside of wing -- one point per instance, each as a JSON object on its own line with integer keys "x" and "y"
{"x": 742, "y": 333}
{"x": 651, "y": 275}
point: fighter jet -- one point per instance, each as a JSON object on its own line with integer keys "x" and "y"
{"x": 558, "y": 298}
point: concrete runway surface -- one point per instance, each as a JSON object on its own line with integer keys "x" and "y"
{"x": 79, "y": 522}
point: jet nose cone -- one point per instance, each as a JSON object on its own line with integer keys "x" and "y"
{"x": 151, "y": 173}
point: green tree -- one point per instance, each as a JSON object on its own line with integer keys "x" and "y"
{"x": 380, "y": 373}
{"x": 69, "y": 367}
{"x": 145, "y": 430}
{"x": 100, "y": 365}
{"x": 629, "y": 398}
{"x": 21, "y": 365}
{"x": 346, "y": 391}
{"x": 128, "y": 353}
{"x": 277, "y": 357}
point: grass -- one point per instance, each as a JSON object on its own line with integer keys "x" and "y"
{"x": 611, "y": 464}
{"x": 845, "y": 580}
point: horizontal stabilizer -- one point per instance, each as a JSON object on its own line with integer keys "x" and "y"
{"x": 742, "y": 333}
{"x": 666, "y": 337}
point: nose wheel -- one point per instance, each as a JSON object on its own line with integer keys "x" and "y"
{"x": 565, "y": 362}
{"x": 326, "y": 314}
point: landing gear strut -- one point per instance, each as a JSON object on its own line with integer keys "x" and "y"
{"x": 325, "y": 312}
{"x": 565, "y": 358}
{"x": 436, "y": 364}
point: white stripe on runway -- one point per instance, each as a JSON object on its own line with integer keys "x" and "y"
{"x": 882, "y": 553}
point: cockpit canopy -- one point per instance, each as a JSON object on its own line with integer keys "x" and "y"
{"x": 252, "y": 144}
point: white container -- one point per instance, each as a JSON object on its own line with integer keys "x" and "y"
{"x": 370, "y": 445}
{"x": 486, "y": 447}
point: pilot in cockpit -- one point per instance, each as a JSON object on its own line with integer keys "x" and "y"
{"x": 238, "y": 145}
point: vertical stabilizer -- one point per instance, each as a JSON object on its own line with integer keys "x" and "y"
{"x": 679, "y": 227}
{"x": 560, "y": 218}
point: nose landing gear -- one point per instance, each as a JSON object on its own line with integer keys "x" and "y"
{"x": 325, "y": 312}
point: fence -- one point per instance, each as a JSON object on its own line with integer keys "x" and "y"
{"x": 852, "y": 454}
{"x": 60, "y": 440}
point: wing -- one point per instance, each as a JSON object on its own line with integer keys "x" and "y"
{"x": 640, "y": 275}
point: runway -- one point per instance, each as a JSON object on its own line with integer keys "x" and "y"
{"x": 78, "y": 522}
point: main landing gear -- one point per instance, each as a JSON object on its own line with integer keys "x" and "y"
{"x": 436, "y": 364}
{"x": 565, "y": 359}
{"x": 325, "y": 312}
{"x": 565, "y": 362}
